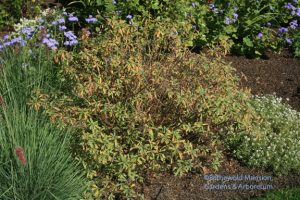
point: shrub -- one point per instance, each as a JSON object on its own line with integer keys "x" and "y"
{"x": 274, "y": 144}
{"x": 141, "y": 101}
{"x": 243, "y": 27}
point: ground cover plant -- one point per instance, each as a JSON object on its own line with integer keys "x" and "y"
{"x": 276, "y": 144}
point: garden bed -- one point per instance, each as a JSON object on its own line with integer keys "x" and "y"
{"x": 279, "y": 73}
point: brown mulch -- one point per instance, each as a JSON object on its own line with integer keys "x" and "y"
{"x": 278, "y": 74}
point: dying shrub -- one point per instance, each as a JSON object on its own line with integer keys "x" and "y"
{"x": 141, "y": 101}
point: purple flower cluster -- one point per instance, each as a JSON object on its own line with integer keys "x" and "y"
{"x": 7, "y": 43}
{"x": 62, "y": 28}
{"x": 72, "y": 38}
{"x": 129, "y": 17}
{"x": 283, "y": 30}
{"x": 73, "y": 18}
{"x": 288, "y": 40}
{"x": 294, "y": 10}
{"x": 51, "y": 43}
{"x": 61, "y": 21}
{"x": 259, "y": 35}
{"x": 294, "y": 24}
{"x": 27, "y": 31}
{"x": 230, "y": 21}
{"x": 91, "y": 19}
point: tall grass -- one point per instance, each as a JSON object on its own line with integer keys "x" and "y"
{"x": 35, "y": 162}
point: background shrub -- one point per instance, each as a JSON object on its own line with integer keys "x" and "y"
{"x": 12, "y": 10}
{"x": 141, "y": 101}
{"x": 242, "y": 27}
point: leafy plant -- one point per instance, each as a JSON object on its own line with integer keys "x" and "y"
{"x": 141, "y": 101}
{"x": 274, "y": 144}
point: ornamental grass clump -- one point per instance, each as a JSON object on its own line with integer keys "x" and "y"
{"x": 35, "y": 157}
{"x": 35, "y": 162}
{"x": 141, "y": 102}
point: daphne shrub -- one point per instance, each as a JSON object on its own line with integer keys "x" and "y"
{"x": 141, "y": 102}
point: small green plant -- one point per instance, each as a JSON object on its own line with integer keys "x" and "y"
{"x": 288, "y": 193}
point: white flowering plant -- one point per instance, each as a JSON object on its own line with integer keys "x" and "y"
{"x": 275, "y": 142}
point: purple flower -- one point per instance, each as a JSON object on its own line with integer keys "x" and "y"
{"x": 289, "y": 6}
{"x": 40, "y": 21}
{"x": 298, "y": 12}
{"x": 62, "y": 28}
{"x": 1, "y": 47}
{"x": 129, "y": 16}
{"x": 16, "y": 40}
{"x": 27, "y": 31}
{"x": 65, "y": 13}
{"x": 269, "y": 24}
{"x": 227, "y": 20}
{"x": 194, "y": 4}
{"x": 71, "y": 42}
{"x": 73, "y": 18}
{"x": 91, "y": 19}
{"x": 54, "y": 23}
{"x": 288, "y": 40}
{"x": 235, "y": 15}
{"x": 70, "y": 35}
{"x": 61, "y": 20}
{"x": 6, "y": 44}
{"x": 259, "y": 35}
{"x": 294, "y": 24}
{"x": 51, "y": 43}
{"x": 283, "y": 30}
{"x": 5, "y": 37}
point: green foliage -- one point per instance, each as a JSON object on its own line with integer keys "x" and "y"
{"x": 288, "y": 194}
{"x": 274, "y": 143}
{"x": 142, "y": 102}
{"x": 237, "y": 26}
{"x": 296, "y": 44}
{"x": 49, "y": 172}
{"x": 46, "y": 169}
{"x": 12, "y": 10}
